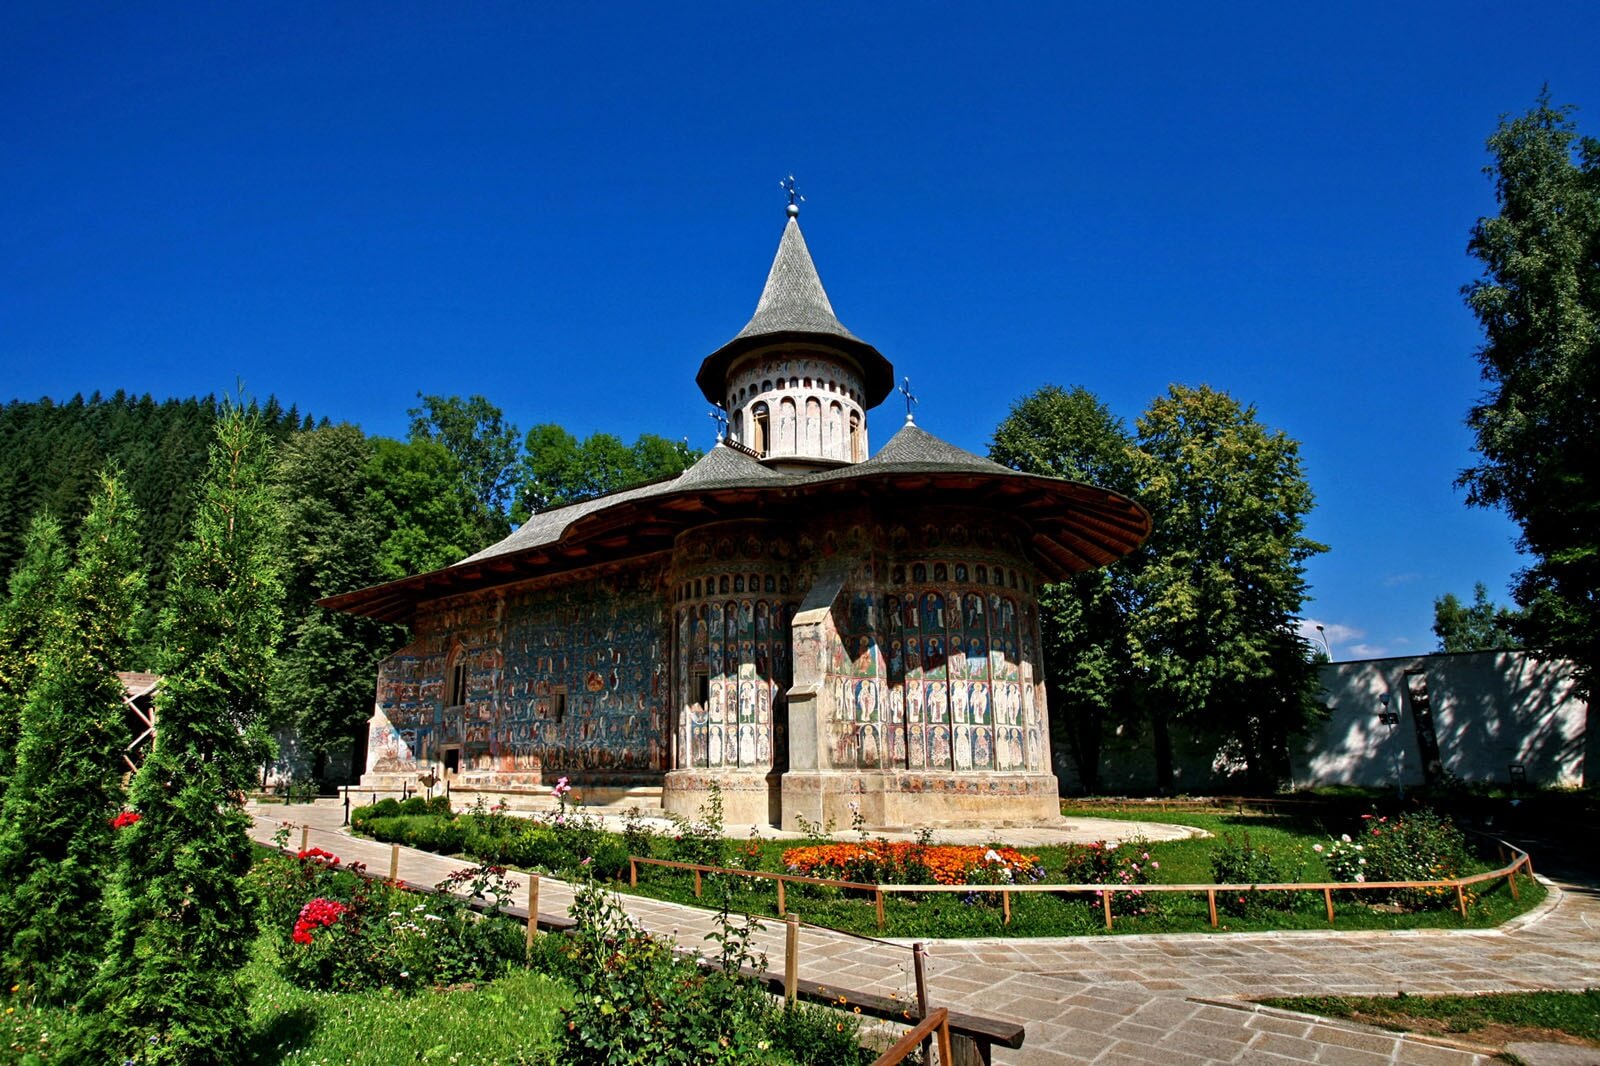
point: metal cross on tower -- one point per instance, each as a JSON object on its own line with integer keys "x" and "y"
{"x": 911, "y": 399}
{"x": 720, "y": 417}
{"x": 795, "y": 199}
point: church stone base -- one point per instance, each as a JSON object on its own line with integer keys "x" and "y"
{"x": 885, "y": 799}
{"x": 899, "y": 799}
{"x": 748, "y": 797}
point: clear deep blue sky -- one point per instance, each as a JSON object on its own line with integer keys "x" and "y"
{"x": 566, "y": 207}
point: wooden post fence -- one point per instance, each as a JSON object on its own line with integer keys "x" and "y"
{"x": 533, "y": 908}
{"x": 791, "y": 956}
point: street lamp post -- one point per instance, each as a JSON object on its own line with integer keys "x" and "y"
{"x": 1392, "y": 720}
{"x": 1325, "y": 645}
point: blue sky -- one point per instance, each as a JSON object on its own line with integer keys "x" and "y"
{"x": 566, "y": 207}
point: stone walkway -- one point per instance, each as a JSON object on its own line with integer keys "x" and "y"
{"x": 1177, "y": 1000}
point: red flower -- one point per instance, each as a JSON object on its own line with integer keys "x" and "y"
{"x": 125, "y": 819}
{"x": 320, "y": 913}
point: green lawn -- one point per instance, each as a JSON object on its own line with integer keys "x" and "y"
{"x": 1575, "y": 1013}
{"x": 509, "y": 1022}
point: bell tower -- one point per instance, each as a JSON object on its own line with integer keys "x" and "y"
{"x": 795, "y": 384}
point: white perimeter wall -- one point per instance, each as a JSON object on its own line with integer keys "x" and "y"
{"x": 1490, "y": 710}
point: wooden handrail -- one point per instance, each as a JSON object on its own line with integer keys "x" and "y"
{"x": 938, "y": 1021}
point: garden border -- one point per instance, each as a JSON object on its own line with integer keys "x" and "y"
{"x": 1520, "y": 860}
{"x": 976, "y": 1033}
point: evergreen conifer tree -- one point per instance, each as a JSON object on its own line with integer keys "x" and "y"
{"x": 31, "y": 595}
{"x": 169, "y": 991}
{"x": 55, "y": 827}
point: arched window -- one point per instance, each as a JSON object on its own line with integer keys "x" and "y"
{"x": 787, "y": 427}
{"x": 760, "y": 426}
{"x": 833, "y": 446}
{"x": 855, "y": 437}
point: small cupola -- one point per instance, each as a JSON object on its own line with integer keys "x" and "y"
{"x": 796, "y": 385}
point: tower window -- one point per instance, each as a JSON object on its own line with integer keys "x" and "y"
{"x": 760, "y": 424}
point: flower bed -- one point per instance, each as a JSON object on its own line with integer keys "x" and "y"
{"x": 903, "y": 862}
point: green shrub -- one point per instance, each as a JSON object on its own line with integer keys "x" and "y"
{"x": 337, "y": 931}
{"x": 699, "y": 840}
{"x": 1123, "y": 866}
{"x": 1421, "y": 846}
{"x": 636, "y": 1002}
{"x": 1236, "y": 861}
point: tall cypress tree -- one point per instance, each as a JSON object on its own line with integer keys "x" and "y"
{"x": 55, "y": 828}
{"x": 169, "y": 991}
{"x": 31, "y": 595}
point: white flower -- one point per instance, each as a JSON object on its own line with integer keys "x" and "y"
{"x": 1155, "y": 865}
{"x": 1363, "y": 862}
{"x": 991, "y": 856}
{"x": 1111, "y": 846}
{"x": 1345, "y": 837}
{"x": 1361, "y": 877}
{"x": 1317, "y": 848}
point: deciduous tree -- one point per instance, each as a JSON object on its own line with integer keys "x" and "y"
{"x": 485, "y": 447}
{"x": 557, "y": 469}
{"x": 1223, "y": 581}
{"x": 1538, "y": 426}
{"x": 1479, "y": 626}
{"x": 1088, "y": 658}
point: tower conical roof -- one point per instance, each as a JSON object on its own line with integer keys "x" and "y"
{"x": 795, "y": 307}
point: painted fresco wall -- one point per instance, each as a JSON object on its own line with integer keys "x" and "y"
{"x": 935, "y": 669}
{"x": 601, "y": 643}
{"x": 735, "y": 597}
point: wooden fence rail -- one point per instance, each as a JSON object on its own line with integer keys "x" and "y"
{"x": 1520, "y": 862}
{"x": 937, "y": 1022}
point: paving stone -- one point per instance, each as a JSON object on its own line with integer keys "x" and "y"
{"x": 1340, "y": 1055}
{"x": 1083, "y": 998}
{"x": 1419, "y": 1053}
{"x": 1290, "y": 1046}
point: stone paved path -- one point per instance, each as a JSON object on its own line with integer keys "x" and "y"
{"x": 1166, "y": 1000}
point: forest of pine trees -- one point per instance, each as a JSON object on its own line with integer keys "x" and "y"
{"x": 351, "y": 510}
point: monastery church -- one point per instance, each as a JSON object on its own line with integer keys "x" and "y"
{"x": 796, "y": 619}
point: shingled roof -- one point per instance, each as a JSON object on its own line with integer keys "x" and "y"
{"x": 795, "y": 308}
{"x": 1070, "y": 526}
